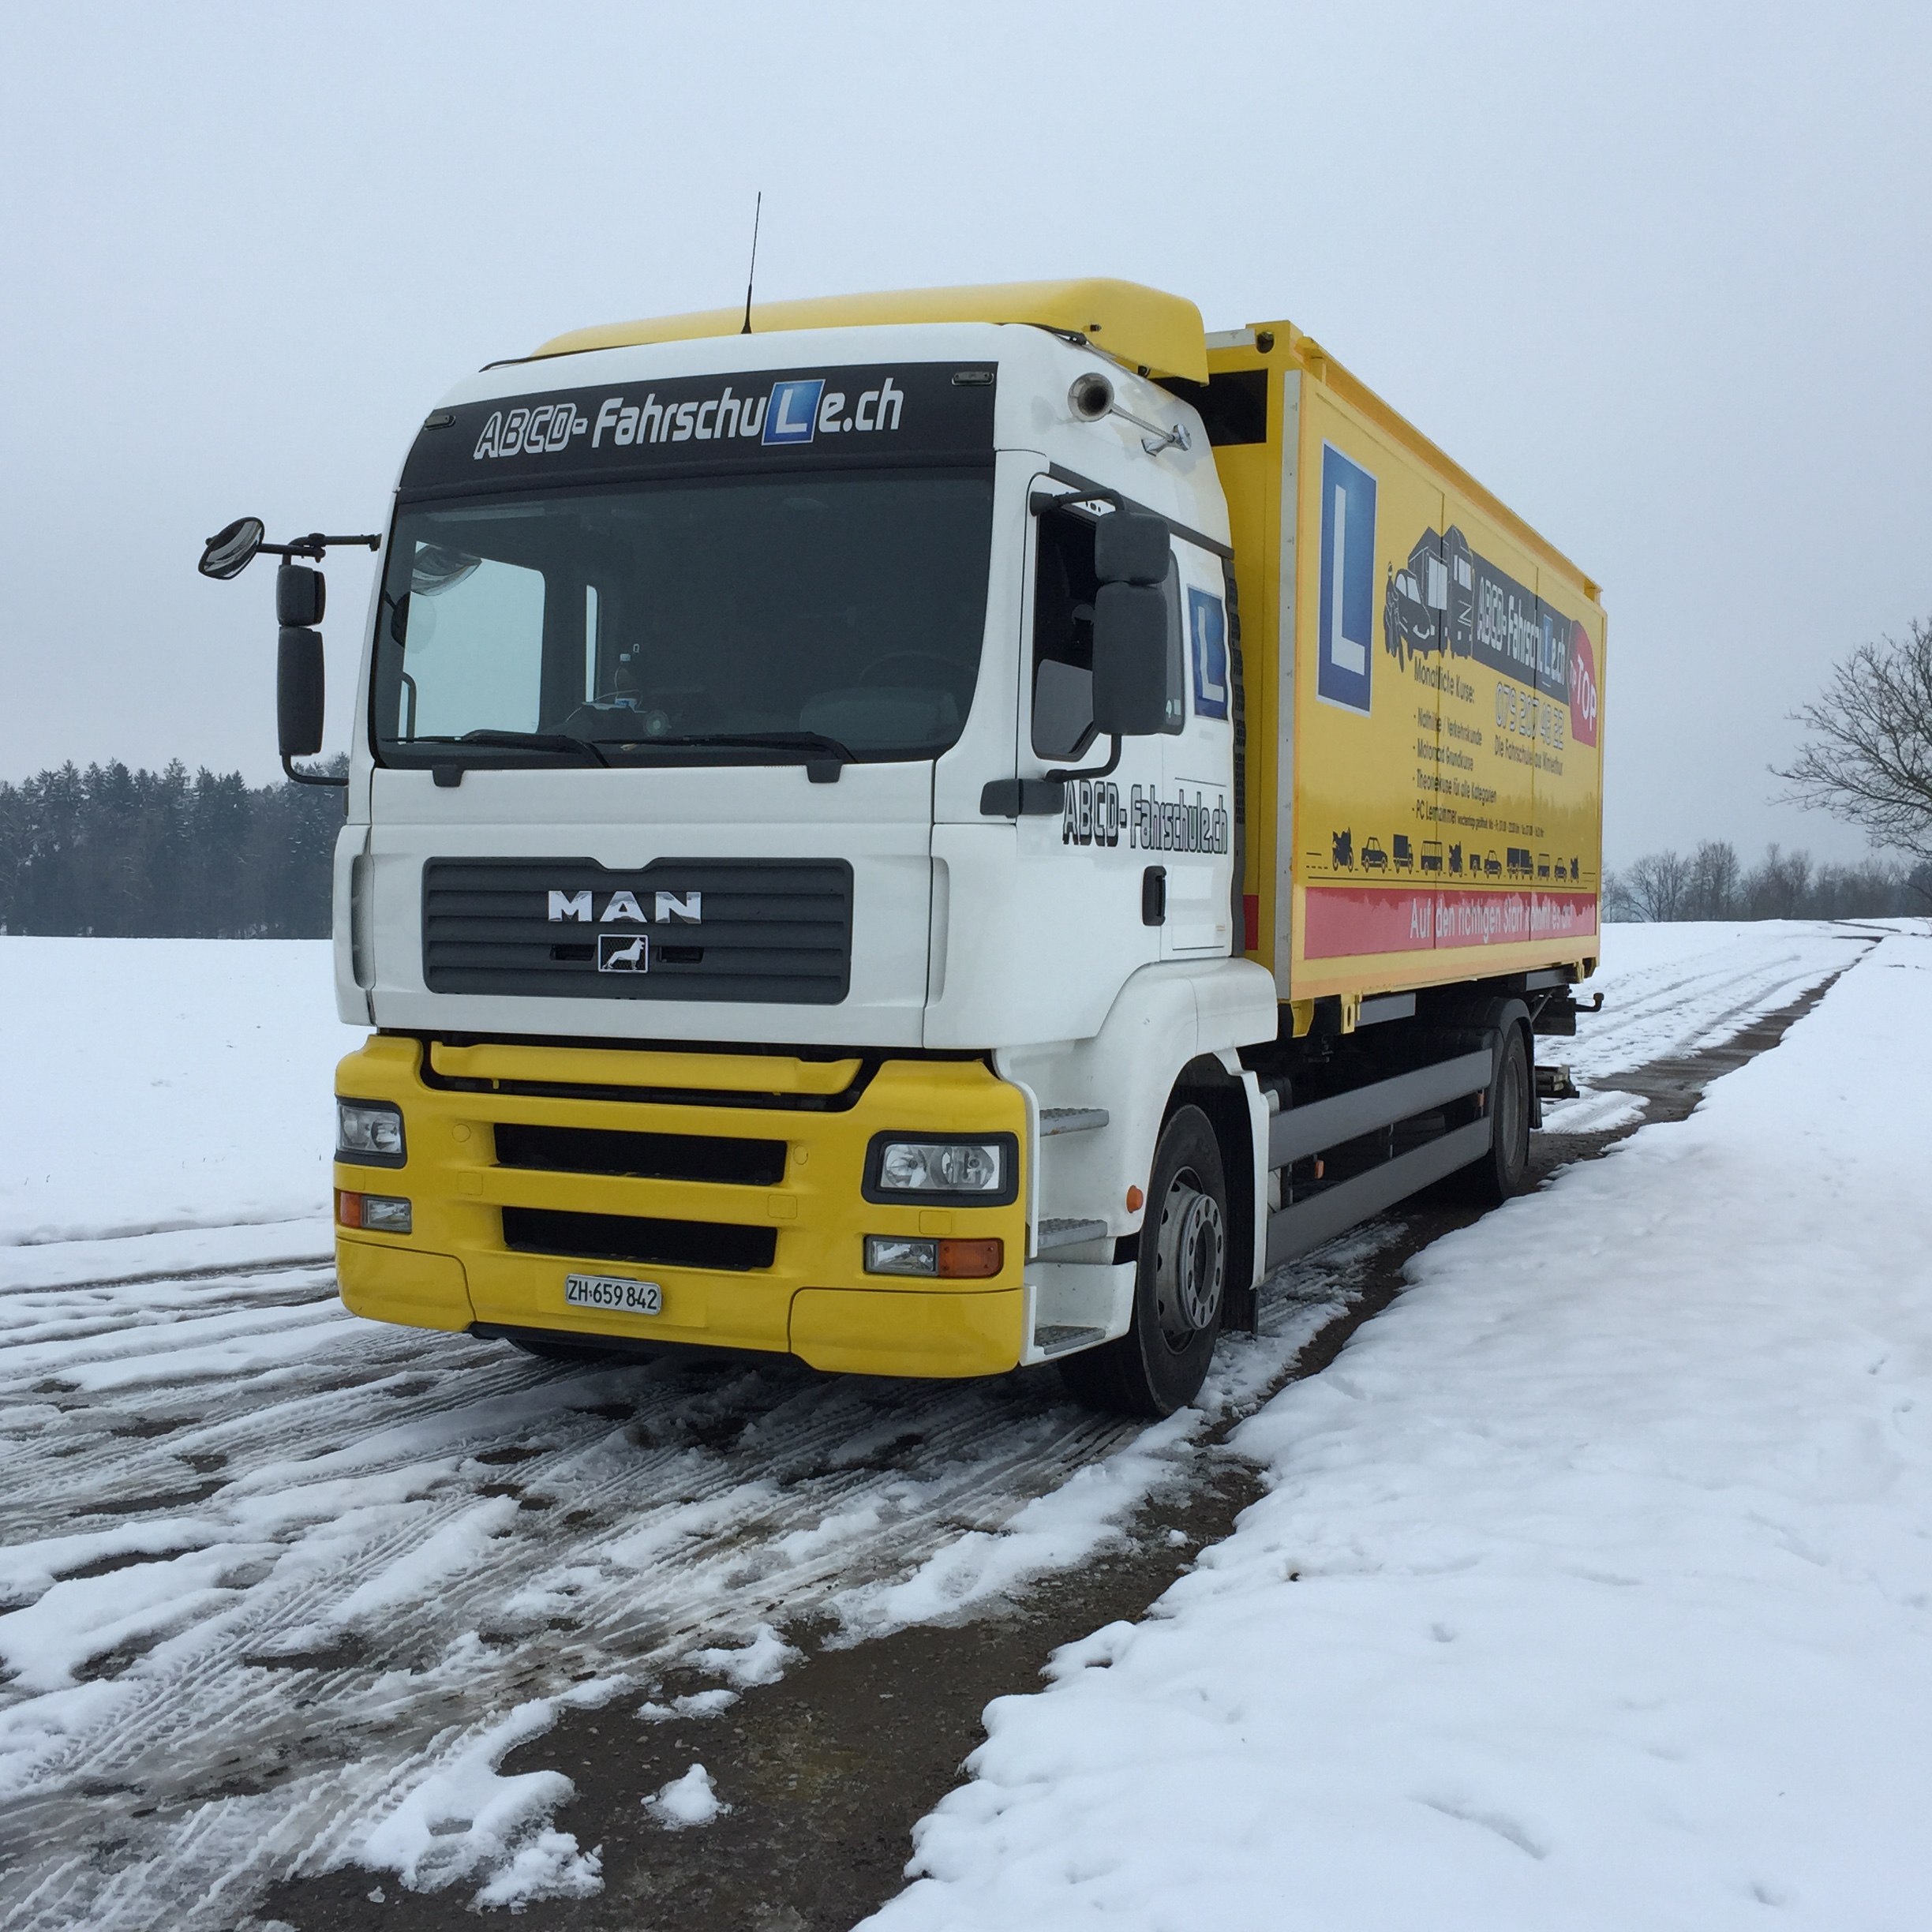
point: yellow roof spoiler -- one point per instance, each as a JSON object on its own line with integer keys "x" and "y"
{"x": 1140, "y": 327}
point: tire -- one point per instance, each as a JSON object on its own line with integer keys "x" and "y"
{"x": 1180, "y": 1285}
{"x": 1504, "y": 1170}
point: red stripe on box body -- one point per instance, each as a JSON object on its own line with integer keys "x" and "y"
{"x": 1345, "y": 921}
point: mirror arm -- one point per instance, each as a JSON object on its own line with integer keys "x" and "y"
{"x": 313, "y": 778}
{"x": 316, "y": 545}
{"x": 1098, "y": 771}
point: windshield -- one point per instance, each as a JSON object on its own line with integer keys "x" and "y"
{"x": 733, "y": 621}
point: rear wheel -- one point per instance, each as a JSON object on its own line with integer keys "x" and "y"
{"x": 1159, "y": 1365}
{"x": 1501, "y": 1172}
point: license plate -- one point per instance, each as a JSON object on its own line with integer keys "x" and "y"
{"x": 615, "y": 1292}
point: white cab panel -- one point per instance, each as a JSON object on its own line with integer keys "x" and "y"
{"x": 876, "y": 818}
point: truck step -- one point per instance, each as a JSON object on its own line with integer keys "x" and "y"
{"x": 1071, "y": 1120}
{"x": 1056, "y": 1341}
{"x": 1066, "y": 1234}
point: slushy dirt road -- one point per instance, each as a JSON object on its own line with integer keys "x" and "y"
{"x": 296, "y": 1610}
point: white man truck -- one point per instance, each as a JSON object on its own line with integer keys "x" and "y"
{"x": 937, "y": 833}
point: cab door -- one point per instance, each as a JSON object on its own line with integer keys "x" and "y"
{"x": 1089, "y": 866}
{"x": 1192, "y": 826}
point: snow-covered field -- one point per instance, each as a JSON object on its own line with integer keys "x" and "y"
{"x": 278, "y": 1588}
{"x": 177, "y": 1086}
{"x": 1593, "y": 1588}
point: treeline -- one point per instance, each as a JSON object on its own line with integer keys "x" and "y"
{"x": 1710, "y": 883}
{"x": 112, "y": 852}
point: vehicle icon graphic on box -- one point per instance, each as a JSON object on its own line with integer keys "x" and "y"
{"x": 1432, "y": 856}
{"x": 1400, "y": 851}
{"x": 1341, "y": 851}
{"x": 1492, "y": 867}
{"x": 1428, "y": 606}
{"x": 1373, "y": 858}
{"x": 1518, "y": 857}
{"x": 1455, "y": 860}
{"x": 1543, "y": 865}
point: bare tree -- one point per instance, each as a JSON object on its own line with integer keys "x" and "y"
{"x": 1655, "y": 885}
{"x": 1780, "y": 887}
{"x": 1712, "y": 891}
{"x": 1868, "y": 760}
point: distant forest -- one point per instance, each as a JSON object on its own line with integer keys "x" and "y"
{"x": 112, "y": 852}
{"x": 1710, "y": 883}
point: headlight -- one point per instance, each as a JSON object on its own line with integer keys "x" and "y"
{"x": 368, "y": 1133}
{"x": 975, "y": 1173}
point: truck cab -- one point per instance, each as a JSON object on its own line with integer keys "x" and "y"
{"x": 739, "y": 875}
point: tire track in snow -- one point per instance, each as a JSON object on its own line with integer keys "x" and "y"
{"x": 510, "y": 1528}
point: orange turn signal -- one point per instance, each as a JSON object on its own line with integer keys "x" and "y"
{"x": 971, "y": 1261}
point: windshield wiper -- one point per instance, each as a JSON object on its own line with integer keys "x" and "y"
{"x": 520, "y": 741}
{"x": 822, "y": 769}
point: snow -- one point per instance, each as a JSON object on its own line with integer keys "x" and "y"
{"x": 763, "y": 1661}
{"x": 279, "y": 1588}
{"x": 687, "y": 1801}
{"x": 175, "y": 1084}
{"x": 1592, "y": 1587}
{"x": 467, "y": 1820}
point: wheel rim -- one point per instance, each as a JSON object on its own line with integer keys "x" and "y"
{"x": 1190, "y": 1259}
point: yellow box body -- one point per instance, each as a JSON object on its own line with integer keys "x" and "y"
{"x": 1443, "y": 821}
{"x": 815, "y": 1301}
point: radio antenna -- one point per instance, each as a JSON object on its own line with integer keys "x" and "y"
{"x": 757, "y": 210}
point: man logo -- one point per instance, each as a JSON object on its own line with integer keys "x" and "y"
{"x": 617, "y": 953}
{"x": 793, "y": 413}
{"x": 623, "y": 904}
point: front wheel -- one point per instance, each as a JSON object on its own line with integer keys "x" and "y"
{"x": 1159, "y": 1365}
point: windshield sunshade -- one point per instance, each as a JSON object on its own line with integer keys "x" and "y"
{"x": 733, "y": 620}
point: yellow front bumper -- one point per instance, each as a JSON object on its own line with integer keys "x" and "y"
{"x": 455, "y": 1271}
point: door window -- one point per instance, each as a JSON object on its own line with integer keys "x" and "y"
{"x": 1064, "y": 586}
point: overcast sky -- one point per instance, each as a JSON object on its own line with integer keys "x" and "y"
{"x": 1658, "y": 277}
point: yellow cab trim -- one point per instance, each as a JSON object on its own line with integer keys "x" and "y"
{"x": 1143, "y": 327}
{"x": 800, "y": 1199}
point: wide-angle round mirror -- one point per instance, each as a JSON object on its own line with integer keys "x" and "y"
{"x": 229, "y": 552}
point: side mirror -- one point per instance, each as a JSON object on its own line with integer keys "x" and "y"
{"x": 230, "y": 551}
{"x": 1131, "y": 547}
{"x": 1130, "y": 656}
{"x": 298, "y": 689}
{"x": 301, "y": 594}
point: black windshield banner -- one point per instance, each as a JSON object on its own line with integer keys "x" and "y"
{"x": 932, "y": 411}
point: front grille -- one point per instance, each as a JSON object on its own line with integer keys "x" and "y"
{"x": 646, "y": 1156}
{"x": 737, "y": 930}
{"x": 634, "y": 1237}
